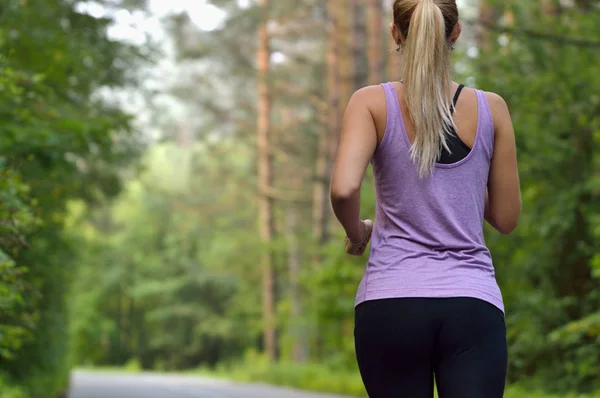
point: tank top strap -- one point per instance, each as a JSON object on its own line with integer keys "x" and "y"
{"x": 394, "y": 127}
{"x": 485, "y": 124}
{"x": 391, "y": 97}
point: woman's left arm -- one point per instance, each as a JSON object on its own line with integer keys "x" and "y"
{"x": 358, "y": 142}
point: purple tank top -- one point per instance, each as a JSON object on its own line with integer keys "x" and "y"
{"x": 428, "y": 236}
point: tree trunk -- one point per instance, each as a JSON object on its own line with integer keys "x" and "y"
{"x": 358, "y": 44}
{"x": 115, "y": 344}
{"x": 345, "y": 53}
{"x": 583, "y": 5}
{"x": 509, "y": 20}
{"x": 375, "y": 42}
{"x": 300, "y": 350}
{"x": 550, "y": 7}
{"x": 327, "y": 146}
{"x": 144, "y": 354}
{"x": 319, "y": 221}
{"x": 334, "y": 90}
{"x": 486, "y": 12}
{"x": 328, "y": 142}
{"x": 293, "y": 177}
{"x": 265, "y": 179}
{"x": 393, "y": 67}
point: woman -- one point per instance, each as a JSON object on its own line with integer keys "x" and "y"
{"x": 444, "y": 159}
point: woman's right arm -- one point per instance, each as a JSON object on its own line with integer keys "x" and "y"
{"x": 503, "y": 197}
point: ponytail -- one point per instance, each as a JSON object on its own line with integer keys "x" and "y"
{"x": 426, "y": 74}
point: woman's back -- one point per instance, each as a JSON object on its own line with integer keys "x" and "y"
{"x": 428, "y": 236}
{"x": 428, "y": 302}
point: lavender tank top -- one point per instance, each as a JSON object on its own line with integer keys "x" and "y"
{"x": 428, "y": 236}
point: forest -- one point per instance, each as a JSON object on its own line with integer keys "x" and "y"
{"x": 200, "y": 238}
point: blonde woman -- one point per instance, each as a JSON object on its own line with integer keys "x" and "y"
{"x": 444, "y": 160}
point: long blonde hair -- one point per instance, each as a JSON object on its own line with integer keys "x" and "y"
{"x": 426, "y": 27}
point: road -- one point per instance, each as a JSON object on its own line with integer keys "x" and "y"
{"x": 146, "y": 385}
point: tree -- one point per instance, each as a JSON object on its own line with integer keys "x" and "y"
{"x": 358, "y": 44}
{"x": 265, "y": 182}
{"x": 59, "y": 143}
{"x": 375, "y": 42}
{"x": 552, "y": 255}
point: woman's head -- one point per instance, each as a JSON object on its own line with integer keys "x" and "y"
{"x": 404, "y": 10}
{"x": 425, "y": 31}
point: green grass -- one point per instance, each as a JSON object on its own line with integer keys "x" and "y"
{"x": 132, "y": 366}
{"x": 312, "y": 377}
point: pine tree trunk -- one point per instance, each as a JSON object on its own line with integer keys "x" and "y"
{"x": 300, "y": 351}
{"x": 334, "y": 91}
{"x": 144, "y": 355}
{"x": 486, "y": 15}
{"x": 319, "y": 220}
{"x": 358, "y": 44}
{"x": 327, "y": 142}
{"x": 550, "y": 7}
{"x": 345, "y": 53}
{"x": 393, "y": 67}
{"x": 327, "y": 146}
{"x": 292, "y": 177}
{"x": 265, "y": 179}
{"x": 115, "y": 347}
{"x": 509, "y": 20}
{"x": 375, "y": 42}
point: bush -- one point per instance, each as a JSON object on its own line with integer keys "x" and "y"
{"x": 133, "y": 366}
{"x": 321, "y": 378}
{"x": 8, "y": 390}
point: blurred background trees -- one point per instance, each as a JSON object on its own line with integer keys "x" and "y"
{"x": 215, "y": 247}
{"x": 59, "y": 141}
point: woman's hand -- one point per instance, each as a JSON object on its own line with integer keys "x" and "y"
{"x": 358, "y": 247}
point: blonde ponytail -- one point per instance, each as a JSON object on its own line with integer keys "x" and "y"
{"x": 426, "y": 53}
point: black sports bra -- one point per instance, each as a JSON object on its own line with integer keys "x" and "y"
{"x": 458, "y": 149}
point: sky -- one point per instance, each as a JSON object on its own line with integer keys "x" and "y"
{"x": 136, "y": 27}
{"x": 204, "y": 15}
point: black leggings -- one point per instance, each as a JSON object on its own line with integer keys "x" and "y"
{"x": 402, "y": 343}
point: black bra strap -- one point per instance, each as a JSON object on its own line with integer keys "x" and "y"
{"x": 458, "y": 91}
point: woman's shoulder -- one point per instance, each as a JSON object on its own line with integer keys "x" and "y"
{"x": 366, "y": 93}
{"x": 498, "y": 107}
{"x": 371, "y": 97}
{"x": 495, "y": 99}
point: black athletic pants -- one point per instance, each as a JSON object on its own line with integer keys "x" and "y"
{"x": 402, "y": 343}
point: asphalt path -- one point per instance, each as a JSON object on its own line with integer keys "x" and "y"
{"x": 149, "y": 385}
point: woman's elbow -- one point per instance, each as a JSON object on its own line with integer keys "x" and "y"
{"x": 507, "y": 228}
{"x": 342, "y": 192}
{"x": 508, "y": 221}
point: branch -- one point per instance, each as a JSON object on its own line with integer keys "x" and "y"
{"x": 556, "y": 39}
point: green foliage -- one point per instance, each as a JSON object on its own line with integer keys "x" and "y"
{"x": 550, "y": 262}
{"x": 58, "y": 142}
{"x": 151, "y": 284}
{"x": 9, "y": 390}
{"x": 322, "y": 378}
{"x": 18, "y": 317}
{"x": 255, "y": 368}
